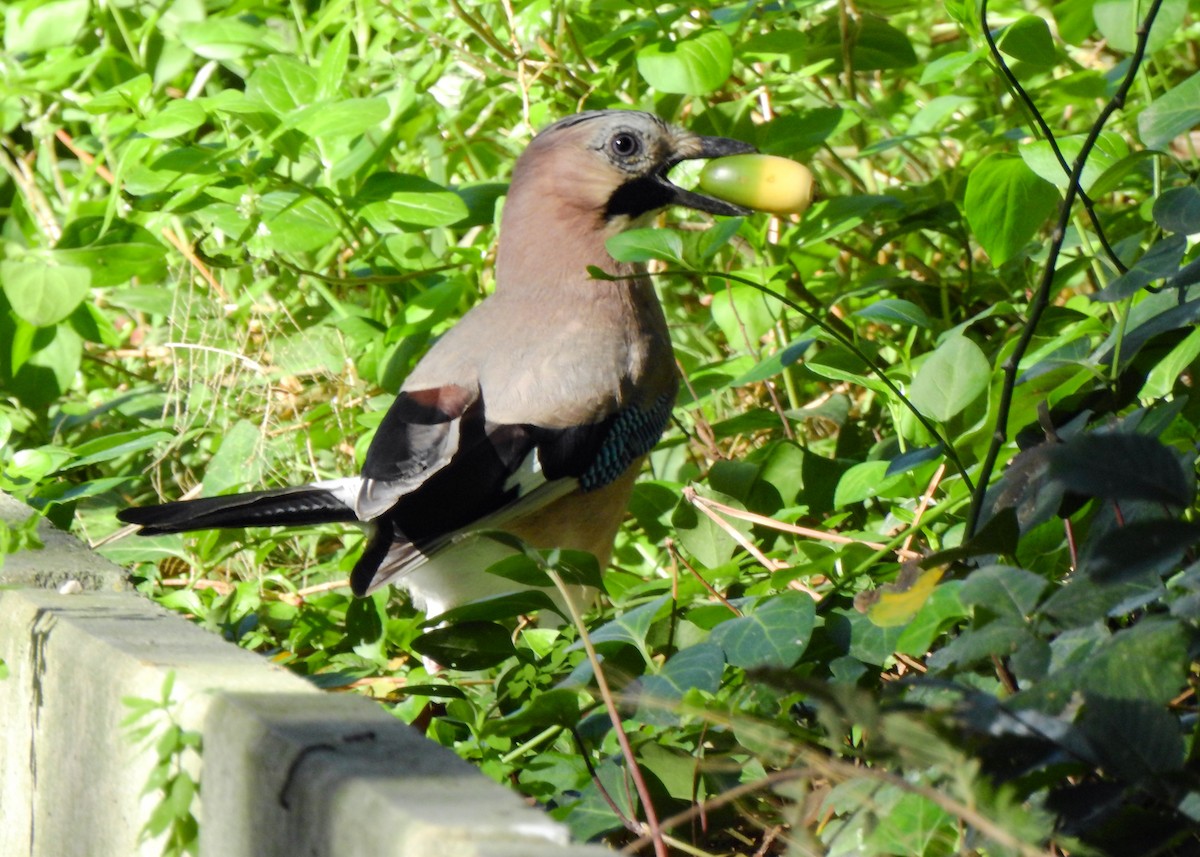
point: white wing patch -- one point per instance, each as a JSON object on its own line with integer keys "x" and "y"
{"x": 528, "y": 477}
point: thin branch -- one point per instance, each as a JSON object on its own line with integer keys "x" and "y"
{"x": 1027, "y": 101}
{"x": 1041, "y": 298}
{"x": 653, "y": 830}
{"x": 849, "y": 344}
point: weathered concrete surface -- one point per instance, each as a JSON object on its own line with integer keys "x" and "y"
{"x": 286, "y": 769}
{"x": 334, "y": 776}
{"x": 63, "y": 561}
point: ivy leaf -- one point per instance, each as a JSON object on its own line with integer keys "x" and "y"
{"x": 774, "y": 635}
{"x": 695, "y": 668}
{"x": 632, "y": 626}
{"x": 1003, "y": 591}
{"x": 555, "y": 707}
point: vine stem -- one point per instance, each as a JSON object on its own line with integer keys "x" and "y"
{"x": 1040, "y": 121}
{"x": 1041, "y": 299}
{"x": 654, "y": 831}
{"x": 850, "y": 345}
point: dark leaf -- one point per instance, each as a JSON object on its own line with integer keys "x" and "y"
{"x": 1115, "y": 466}
{"x": 1137, "y": 549}
{"x": 775, "y": 634}
{"x": 466, "y": 646}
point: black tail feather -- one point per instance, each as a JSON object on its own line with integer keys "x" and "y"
{"x": 307, "y": 504}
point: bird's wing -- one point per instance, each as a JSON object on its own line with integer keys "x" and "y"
{"x": 438, "y": 469}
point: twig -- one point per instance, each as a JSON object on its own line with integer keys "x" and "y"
{"x": 712, "y": 590}
{"x": 1041, "y": 298}
{"x": 794, "y": 529}
{"x": 639, "y": 781}
{"x": 925, "y": 499}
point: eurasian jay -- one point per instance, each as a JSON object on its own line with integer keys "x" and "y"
{"x": 533, "y": 414}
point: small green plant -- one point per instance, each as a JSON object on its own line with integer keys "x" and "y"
{"x": 154, "y": 724}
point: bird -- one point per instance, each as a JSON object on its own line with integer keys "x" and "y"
{"x": 531, "y": 415}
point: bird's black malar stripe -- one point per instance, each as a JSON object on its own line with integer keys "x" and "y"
{"x": 637, "y": 197}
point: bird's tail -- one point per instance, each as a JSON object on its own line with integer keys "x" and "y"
{"x": 319, "y": 503}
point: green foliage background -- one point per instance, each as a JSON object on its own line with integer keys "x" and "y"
{"x": 231, "y": 228}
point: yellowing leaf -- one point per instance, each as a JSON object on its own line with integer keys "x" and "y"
{"x": 896, "y": 603}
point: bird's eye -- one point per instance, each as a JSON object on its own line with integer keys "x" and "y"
{"x": 623, "y": 145}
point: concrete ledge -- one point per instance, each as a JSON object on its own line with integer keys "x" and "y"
{"x": 286, "y": 769}
{"x": 64, "y": 559}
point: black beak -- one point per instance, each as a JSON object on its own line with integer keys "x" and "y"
{"x": 698, "y": 148}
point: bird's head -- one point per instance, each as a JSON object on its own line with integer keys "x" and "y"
{"x": 612, "y": 165}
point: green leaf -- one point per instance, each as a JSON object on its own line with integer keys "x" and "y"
{"x": 33, "y": 26}
{"x": 642, "y": 245}
{"x": 1003, "y": 591}
{"x": 894, "y": 311}
{"x": 1178, "y": 210}
{"x": 774, "y": 635}
{"x": 1175, "y": 112}
{"x": 1006, "y": 204}
{"x": 1138, "y": 548}
{"x": 114, "y": 252}
{"x": 943, "y": 609}
{"x": 1160, "y": 261}
{"x": 347, "y": 118}
{"x": 283, "y": 83}
{"x": 711, "y": 543}
{"x": 1109, "y": 150}
{"x": 390, "y": 201}
{"x": 695, "y": 668}
{"x": 914, "y": 824}
{"x": 177, "y": 118}
{"x": 1028, "y": 39}
{"x": 875, "y": 45}
{"x": 744, "y": 314}
{"x": 42, "y": 293}
{"x": 297, "y": 223}
{"x": 775, "y": 364}
{"x": 695, "y": 65}
{"x": 951, "y": 66}
{"x": 862, "y": 481}
{"x": 499, "y": 607}
{"x": 950, "y": 379}
{"x": 632, "y": 626}
{"x": 556, "y": 707}
{"x": 1137, "y": 740}
{"x": 110, "y": 446}
{"x": 1119, "y": 21}
{"x": 223, "y": 38}
{"x": 238, "y": 460}
{"x": 466, "y": 646}
{"x": 1162, "y": 378}
{"x": 1148, "y": 661}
